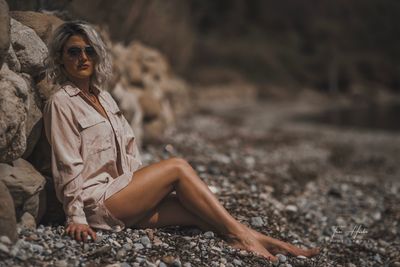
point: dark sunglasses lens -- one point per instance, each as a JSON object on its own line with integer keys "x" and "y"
{"x": 90, "y": 52}
{"x": 74, "y": 51}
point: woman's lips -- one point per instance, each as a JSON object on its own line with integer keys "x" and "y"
{"x": 83, "y": 67}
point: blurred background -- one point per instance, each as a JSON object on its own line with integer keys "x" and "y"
{"x": 280, "y": 46}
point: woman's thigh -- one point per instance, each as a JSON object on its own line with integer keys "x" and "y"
{"x": 148, "y": 187}
{"x": 170, "y": 212}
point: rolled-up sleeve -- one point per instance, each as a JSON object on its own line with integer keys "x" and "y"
{"x": 67, "y": 164}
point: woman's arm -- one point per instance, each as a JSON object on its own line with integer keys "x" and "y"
{"x": 67, "y": 163}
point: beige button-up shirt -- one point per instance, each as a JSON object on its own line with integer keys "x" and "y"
{"x": 84, "y": 151}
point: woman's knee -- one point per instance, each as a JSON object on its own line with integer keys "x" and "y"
{"x": 180, "y": 165}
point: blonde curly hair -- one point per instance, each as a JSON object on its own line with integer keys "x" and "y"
{"x": 103, "y": 65}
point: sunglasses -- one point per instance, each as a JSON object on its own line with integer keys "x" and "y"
{"x": 76, "y": 51}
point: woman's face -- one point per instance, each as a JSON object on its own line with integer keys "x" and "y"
{"x": 78, "y": 58}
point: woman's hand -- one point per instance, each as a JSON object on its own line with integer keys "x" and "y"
{"x": 80, "y": 231}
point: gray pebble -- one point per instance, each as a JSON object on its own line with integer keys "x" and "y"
{"x": 86, "y": 247}
{"x": 162, "y": 264}
{"x": 176, "y": 263}
{"x": 378, "y": 258}
{"x": 256, "y": 221}
{"x": 140, "y": 259}
{"x": 237, "y": 262}
{"x": 138, "y": 246}
{"x": 127, "y": 246}
{"x": 99, "y": 239}
{"x": 5, "y": 240}
{"x": 37, "y": 248}
{"x": 291, "y": 208}
{"x": 145, "y": 241}
{"x": 4, "y": 248}
{"x": 61, "y": 263}
{"x": 116, "y": 244}
{"x": 281, "y": 258}
{"x": 59, "y": 245}
{"x": 209, "y": 234}
{"x": 121, "y": 254}
{"x": 125, "y": 264}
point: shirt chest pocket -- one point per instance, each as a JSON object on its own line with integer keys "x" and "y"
{"x": 96, "y": 134}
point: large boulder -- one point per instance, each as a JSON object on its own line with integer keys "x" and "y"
{"x": 151, "y": 105}
{"x": 20, "y": 115}
{"x": 42, "y": 24}
{"x": 8, "y": 222}
{"x": 25, "y": 185}
{"x": 13, "y": 114}
{"x": 142, "y": 64}
{"x": 45, "y": 88}
{"x": 161, "y": 95}
{"x": 128, "y": 101}
{"x": 4, "y": 31}
{"x": 34, "y": 122}
{"x": 12, "y": 61}
{"x": 177, "y": 93}
{"x": 29, "y": 48}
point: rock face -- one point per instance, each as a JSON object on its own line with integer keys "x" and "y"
{"x": 20, "y": 116}
{"x": 12, "y": 115}
{"x": 12, "y": 60}
{"x": 4, "y": 31}
{"x": 8, "y": 223}
{"x": 25, "y": 185}
{"x": 29, "y": 48}
{"x": 34, "y": 122}
{"x": 42, "y": 24}
{"x": 128, "y": 100}
{"x": 162, "y": 97}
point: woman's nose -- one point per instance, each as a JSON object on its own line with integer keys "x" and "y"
{"x": 83, "y": 56}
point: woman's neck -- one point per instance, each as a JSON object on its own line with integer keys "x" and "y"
{"x": 83, "y": 84}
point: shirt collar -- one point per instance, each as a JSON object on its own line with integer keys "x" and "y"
{"x": 73, "y": 90}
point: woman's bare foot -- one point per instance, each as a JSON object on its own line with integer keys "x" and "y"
{"x": 247, "y": 241}
{"x": 276, "y": 246}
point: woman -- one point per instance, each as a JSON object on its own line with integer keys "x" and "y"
{"x": 95, "y": 160}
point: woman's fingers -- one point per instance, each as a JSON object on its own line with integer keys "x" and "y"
{"x": 78, "y": 235}
{"x": 92, "y": 234}
{"x": 80, "y": 232}
{"x": 85, "y": 235}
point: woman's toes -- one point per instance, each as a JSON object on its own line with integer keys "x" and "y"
{"x": 314, "y": 251}
{"x": 309, "y": 252}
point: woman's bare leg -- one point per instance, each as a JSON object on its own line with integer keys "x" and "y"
{"x": 151, "y": 184}
{"x": 170, "y": 212}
